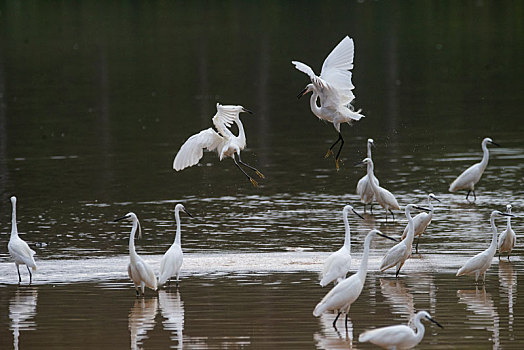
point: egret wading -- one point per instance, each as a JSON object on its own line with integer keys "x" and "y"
{"x": 347, "y": 291}
{"x": 338, "y": 263}
{"x": 383, "y": 197}
{"x": 469, "y": 178}
{"x": 18, "y": 248}
{"x": 334, "y": 89}
{"x": 507, "y": 238}
{"x": 224, "y": 142}
{"x": 138, "y": 270}
{"x": 173, "y": 258}
{"x": 482, "y": 261}
{"x": 421, "y": 221}
{"x": 400, "y": 252}
{"x": 364, "y": 189}
{"x": 399, "y": 336}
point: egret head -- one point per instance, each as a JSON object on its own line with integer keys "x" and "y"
{"x": 508, "y": 208}
{"x": 489, "y": 140}
{"x": 13, "y": 200}
{"x": 232, "y": 109}
{"x": 374, "y": 232}
{"x": 349, "y": 208}
{"x": 497, "y": 212}
{"x": 371, "y": 142}
{"x": 413, "y": 206}
{"x": 129, "y": 216}
{"x": 180, "y": 207}
{"x": 427, "y": 316}
{"x": 307, "y": 89}
{"x": 432, "y": 196}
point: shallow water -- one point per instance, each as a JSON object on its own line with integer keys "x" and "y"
{"x": 96, "y": 100}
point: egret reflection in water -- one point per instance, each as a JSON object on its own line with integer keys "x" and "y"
{"x": 330, "y": 337}
{"x": 141, "y": 320}
{"x": 172, "y": 309}
{"x": 399, "y": 297}
{"x": 22, "y": 310}
{"x": 508, "y": 286}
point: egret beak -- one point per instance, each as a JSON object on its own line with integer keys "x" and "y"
{"x": 435, "y": 198}
{"x": 359, "y": 164}
{"x": 188, "y": 213}
{"x": 246, "y": 110}
{"x": 493, "y": 143}
{"x": 383, "y": 235}
{"x": 122, "y": 218}
{"x": 506, "y": 214}
{"x": 302, "y": 93}
{"x": 421, "y": 208}
{"x": 357, "y": 214}
{"x": 435, "y": 322}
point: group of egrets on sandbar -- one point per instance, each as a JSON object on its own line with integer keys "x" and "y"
{"x": 332, "y": 95}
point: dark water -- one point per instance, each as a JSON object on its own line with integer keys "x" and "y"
{"x": 95, "y": 100}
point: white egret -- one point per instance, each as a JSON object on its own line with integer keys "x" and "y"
{"x": 18, "y": 248}
{"x": 173, "y": 258}
{"x": 364, "y": 189}
{"x": 224, "y": 142}
{"x": 399, "y": 336}
{"x": 338, "y": 263}
{"x": 348, "y": 290}
{"x": 383, "y": 197}
{"x": 482, "y": 261}
{"x": 470, "y": 176}
{"x": 507, "y": 238}
{"x": 400, "y": 252}
{"x": 422, "y": 221}
{"x": 334, "y": 88}
{"x": 138, "y": 270}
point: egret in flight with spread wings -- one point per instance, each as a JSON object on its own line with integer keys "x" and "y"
{"x": 334, "y": 88}
{"x": 338, "y": 263}
{"x": 468, "y": 179}
{"x": 138, "y": 270}
{"x": 421, "y": 221}
{"x": 507, "y": 239}
{"x": 224, "y": 142}
{"x": 348, "y": 290}
{"x": 482, "y": 261}
{"x": 18, "y": 248}
{"x": 383, "y": 197}
{"x": 399, "y": 253}
{"x": 364, "y": 189}
{"x": 400, "y": 336}
{"x": 173, "y": 258}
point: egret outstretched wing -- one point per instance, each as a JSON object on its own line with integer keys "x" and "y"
{"x": 225, "y": 117}
{"x": 336, "y": 69}
{"x": 193, "y": 149}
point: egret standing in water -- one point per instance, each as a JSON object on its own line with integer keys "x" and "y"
{"x": 138, "y": 270}
{"x": 468, "y": 179}
{"x": 348, "y": 290}
{"x": 482, "y": 261}
{"x": 400, "y": 336}
{"x": 507, "y": 239}
{"x": 338, "y": 263}
{"x": 383, "y": 197}
{"x": 334, "y": 88}
{"x": 173, "y": 258}
{"x": 224, "y": 141}
{"x": 400, "y": 252}
{"x": 18, "y": 248}
{"x": 421, "y": 221}
{"x": 364, "y": 189}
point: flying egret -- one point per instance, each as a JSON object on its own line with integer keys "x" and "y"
{"x": 421, "y": 221}
{"x": 338, "y": 263}
{"x": 173, "y": 258}
{"x": 468, "y": 179}
{"x": 348, "y": 290}
{"x": 507, "y": 238}
{"x": 399, "y": 336}
{"x": 383, "y": 197}
{"x": 400, "y": 252}
{"x": 482, "y": 261}
{"x": 18, "y": 248}
{"x": 334, "y": 88}
{"x": 224, "y": 141}
{"x": 364, "y": 189}
{"x": 138, "y": 270}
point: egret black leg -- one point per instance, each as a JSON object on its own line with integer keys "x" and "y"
{"x": 330, "y": 150}
{"x": 242, "y": 170}
{"x": 337, "y": 158}
{"x": 474, "y": 196}
{"x": 335, "y": 321}
{"x": 371, "y": 205}
{"x": 396, "y": 274}
{"x": 251, "y": 167}
{"x": 416, "y": 245}
{"x": 30, "y": 275}
{"x": 346, "y": 322}
{"x": 392, "y": 214}
{"x": 19, "y": 277}
{"x": 137, "y": 292}
{"x": 467, "y": 196}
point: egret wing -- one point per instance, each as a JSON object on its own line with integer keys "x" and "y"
{"x": 336, "y": 266}
{"x": 336, "y": 69}
{"x": 225, "y": 117}
{"x": 193, "y": 149}
{"x": 21, "y": 250}
{"x": 147, "y": 274}
{"x": 393, "y": 256}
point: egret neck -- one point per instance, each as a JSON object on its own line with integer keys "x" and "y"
{"x": 132, "y": 252}
{"x": 178, "y": 239}
{"x": 485, "y": 156}
{"x": 14, "y": 228}
{"x": 347, "y": 238}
